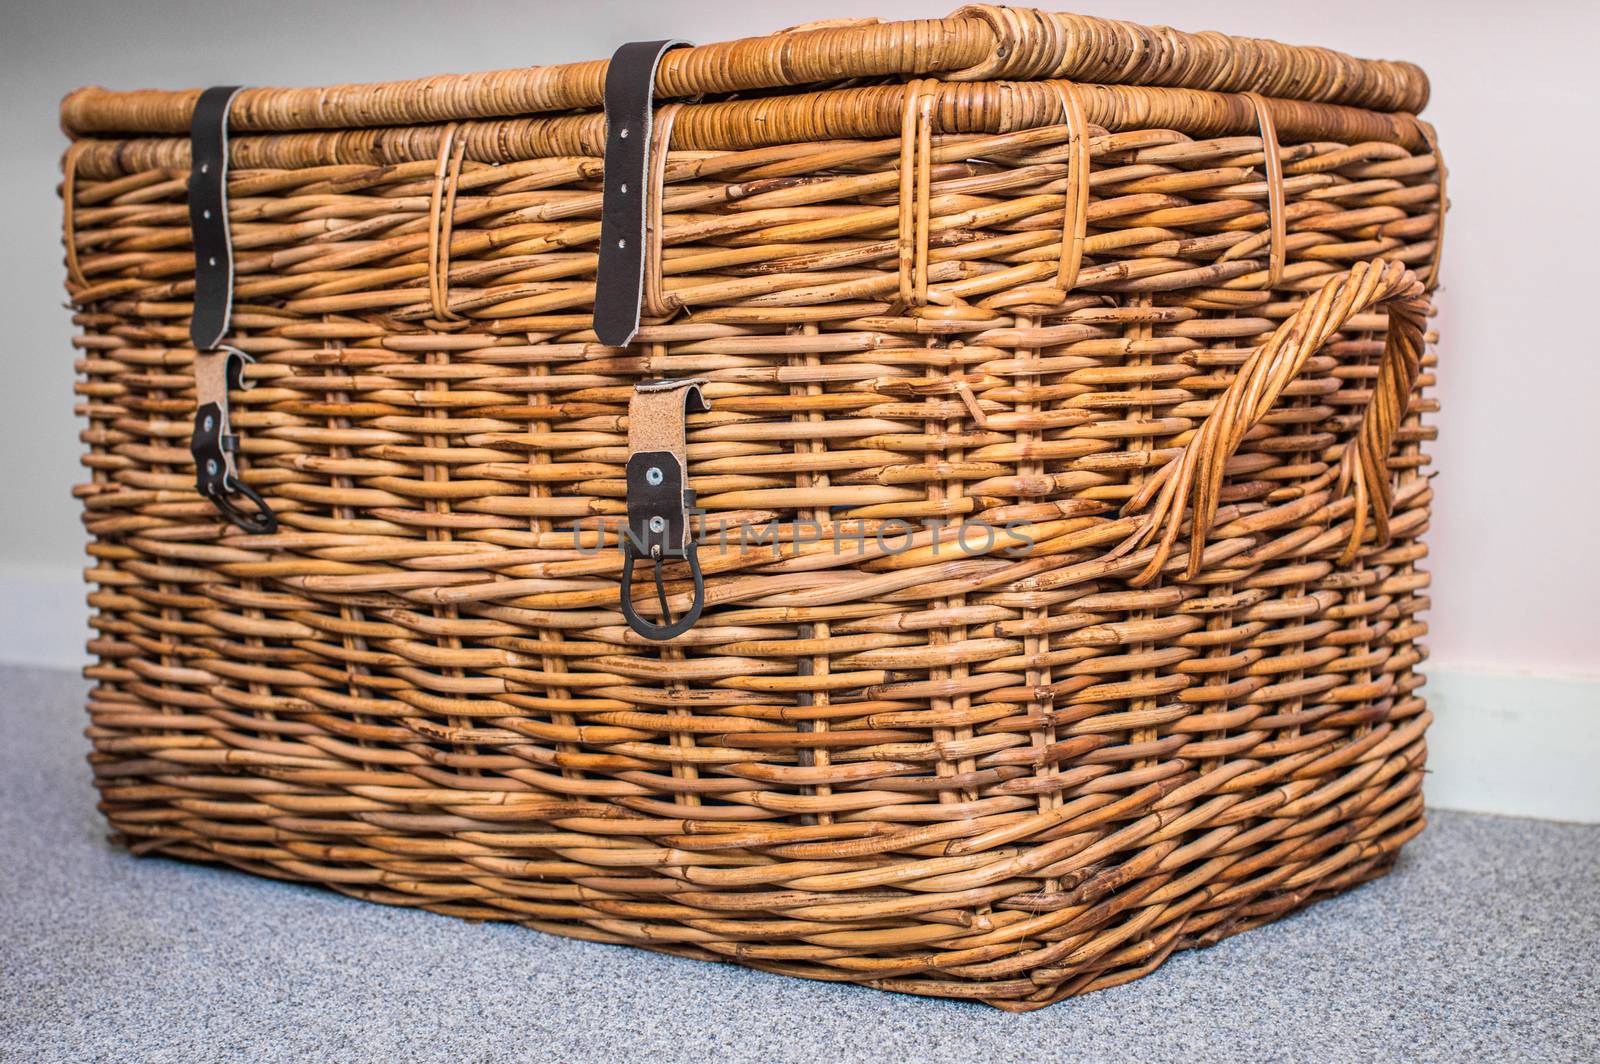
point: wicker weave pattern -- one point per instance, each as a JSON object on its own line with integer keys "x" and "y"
{"x": 1011, "y": 771}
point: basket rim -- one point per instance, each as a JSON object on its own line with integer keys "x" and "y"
{"x": 854, "y": 116}
{"x": 978, "y": 43}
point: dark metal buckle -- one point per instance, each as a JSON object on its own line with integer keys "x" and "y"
{"x": 658, "y": 529}
{"x": 673, "y": 628}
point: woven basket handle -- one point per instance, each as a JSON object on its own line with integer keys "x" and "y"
{"x": 1194, "y": 481}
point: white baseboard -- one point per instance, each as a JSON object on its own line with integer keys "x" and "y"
{"x": 1505, "y": 743}
{"x": 1515, "y": 744}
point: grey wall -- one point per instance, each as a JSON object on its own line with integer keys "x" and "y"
{"x": 1519, "y": 459}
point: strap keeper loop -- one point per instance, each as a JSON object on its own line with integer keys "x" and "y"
{"x": 1075, "y": 211}
{"x": 1272, "y": 163}
{"x": 916, "y": 179}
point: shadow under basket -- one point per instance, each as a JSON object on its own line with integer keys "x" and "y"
{"x": 933, "y": 504}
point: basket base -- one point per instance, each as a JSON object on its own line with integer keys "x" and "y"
{"x": 1202, "y": 929}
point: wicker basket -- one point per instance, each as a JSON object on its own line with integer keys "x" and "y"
{"x": 1057, "y": 460}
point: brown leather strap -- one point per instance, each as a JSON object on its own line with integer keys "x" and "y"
{"x": 217, "y": 368}
{"x": 208, "y": 217}
{"x": 619, "y": 284}
{"x": 657, "y": 415}
{"x": 211, "y": 376}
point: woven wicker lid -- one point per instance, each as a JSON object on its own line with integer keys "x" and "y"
{"x": 976, "y": 43}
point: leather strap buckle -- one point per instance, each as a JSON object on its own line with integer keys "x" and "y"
{"x": 660, "y": 500}
{"x": 214, "y": 444}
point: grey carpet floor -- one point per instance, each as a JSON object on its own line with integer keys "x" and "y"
{"x": 1483, "y": 945}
